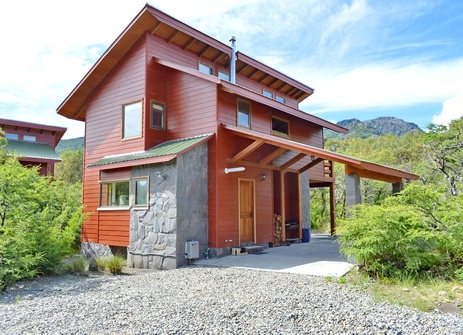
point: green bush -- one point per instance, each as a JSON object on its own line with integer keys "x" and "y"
{"x": 40, "y": 220}
{"x": 418, "y": 233}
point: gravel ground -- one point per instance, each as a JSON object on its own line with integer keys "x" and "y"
{"x": 203, "y": 300}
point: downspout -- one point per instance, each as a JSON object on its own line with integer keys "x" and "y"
{"x": 233, "y": 61}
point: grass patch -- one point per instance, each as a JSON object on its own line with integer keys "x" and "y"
{"x": 425, "y": 295}
{"x": 113, "y": 264}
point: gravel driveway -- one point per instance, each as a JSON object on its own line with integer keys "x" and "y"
{"x": 203, "y": 300}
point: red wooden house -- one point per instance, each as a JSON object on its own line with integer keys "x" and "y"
{"x": 188, "y": 140}
{"x": 33, "y": 144}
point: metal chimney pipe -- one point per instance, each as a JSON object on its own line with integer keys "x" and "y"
{"x": 233, "y": 61}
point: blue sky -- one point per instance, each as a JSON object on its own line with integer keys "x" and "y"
{"x": 363, "y": 58}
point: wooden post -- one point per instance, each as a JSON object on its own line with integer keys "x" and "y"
{"x": 283, "y": 207}
{"x": 332, "y": 210}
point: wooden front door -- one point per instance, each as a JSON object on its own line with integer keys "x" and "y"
{"x": 246, "y": 210}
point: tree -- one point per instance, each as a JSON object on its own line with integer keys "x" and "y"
{"x": 70, "y": 168}
{"x": 444, "y": 153}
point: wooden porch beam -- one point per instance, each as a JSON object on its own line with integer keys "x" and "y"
{"x": 311, "y": 164}
{"x": 349, "y": 169}
{"x": 293, "y": 160}
{"x": 278, "y": 152}
{"x": 249, "y": 149}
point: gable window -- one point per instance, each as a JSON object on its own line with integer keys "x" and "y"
{"x": 205, "y": 68}
{"x": 280, "y": 127}
{"x": 224, "y": 75}
{"x": 12, "y": 136}
{"x": 29, "y": 138}
{"x": 267, "y": 93}
{"x": 244, "y": 114}
{"x": 141, "y": 192}
{"x": 114, "y": 193}
{"x": 132, "y": 120}
{"x": 158, "y": 115}
{"x": 280, "y": 99}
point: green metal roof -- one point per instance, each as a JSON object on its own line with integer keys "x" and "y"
{"x": 29, "y": 149}
{"x": 168, "y": 148}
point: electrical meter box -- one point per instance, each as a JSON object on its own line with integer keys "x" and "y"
{"x": 191, "y": 249}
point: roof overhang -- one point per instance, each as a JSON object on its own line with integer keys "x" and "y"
{"x": 161, "y": 153}
{"x": 300, "y": 151}
{"x": 151, "y": 21}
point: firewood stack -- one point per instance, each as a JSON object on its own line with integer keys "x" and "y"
{"x": 278, "y": 230}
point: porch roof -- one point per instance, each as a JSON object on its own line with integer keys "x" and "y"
{"x": 160, "y": 153}
{"x": 29, "y": 149}
{"x": 300, "y": 151}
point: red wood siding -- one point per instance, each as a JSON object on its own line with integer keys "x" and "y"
{"x": 126, "y": 83}
{"x": 114, "y": 228}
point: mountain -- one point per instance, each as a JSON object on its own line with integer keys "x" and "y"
{"x": 375, "y": 127}
{"x": 72, "y": 144}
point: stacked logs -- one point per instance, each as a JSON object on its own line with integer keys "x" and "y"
{"x": 278, "y": 230}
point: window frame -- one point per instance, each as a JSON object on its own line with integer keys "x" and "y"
{"x": 204, "y": 65}
{"x": 267, "y": 93}
{"x": 221, "y": 74}
{"x": 147, "y": 195}
{"x": 124, "y": 111}
{"x": 162, "y": 113}
{"x": 30, "y": 138}
{"x": 238, "y": 112}
{"x": 113, "y": 195}
{"x": 12, "y": 136}
{"x": 277, "y": 132}
{"x": 280, "y": 99}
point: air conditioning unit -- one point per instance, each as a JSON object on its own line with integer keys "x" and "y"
{"x": 191, "y": 249}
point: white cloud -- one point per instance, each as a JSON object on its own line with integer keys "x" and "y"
{"x": 452, "y": 109}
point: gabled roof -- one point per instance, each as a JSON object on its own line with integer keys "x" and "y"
{"x": 155, "y": 22}
{"x": 163, "y": 152}
{"x": 31, "y": 150}
{"x": 58, "y": 132}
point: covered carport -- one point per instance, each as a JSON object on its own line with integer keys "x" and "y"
{"x": 284, "y": 155}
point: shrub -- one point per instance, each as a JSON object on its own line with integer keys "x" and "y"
{"x": 78, "y": 265}
{"x": 113, "y": 264}
{"x": 415, "y": 234}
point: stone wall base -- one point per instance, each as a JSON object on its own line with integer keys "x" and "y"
{"x": 91, "y": 250}
{"x": 158, "y": 260}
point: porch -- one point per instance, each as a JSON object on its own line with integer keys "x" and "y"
{"x": 319, "y": 257}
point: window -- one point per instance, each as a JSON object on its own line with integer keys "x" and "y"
{"x": 280, "y": 127}
{"x": 267, "y": 94}
{"x": 158, "y": 115}
{"x": 280, "y": 99}
{"x": 224, "y": 75}
{"x": 114, "y": 193}
{"x": 244, "y": 115}
{"x": 132, "y": 120}
{"x": 141, "y": 192}
{"x": 12, "y": 136}
{"x": 205, "y": 68}
{"x": 29, "y": 138}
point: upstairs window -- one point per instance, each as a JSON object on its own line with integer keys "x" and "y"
{"x": 267, "y": 93}
{"x": 132, "y": 120}
{"x": 224, "y": 75}
{"x": 244, "y": 114}
{"x": 10, "y": 136}
{"x": 114, "y": 193}
{"x": 30, "y": 138}
{"x": 158, "y": 115}
{"x": 280, "y": 99}
{"x": 205, "y": 68}
{"x": 280, "y": 127}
